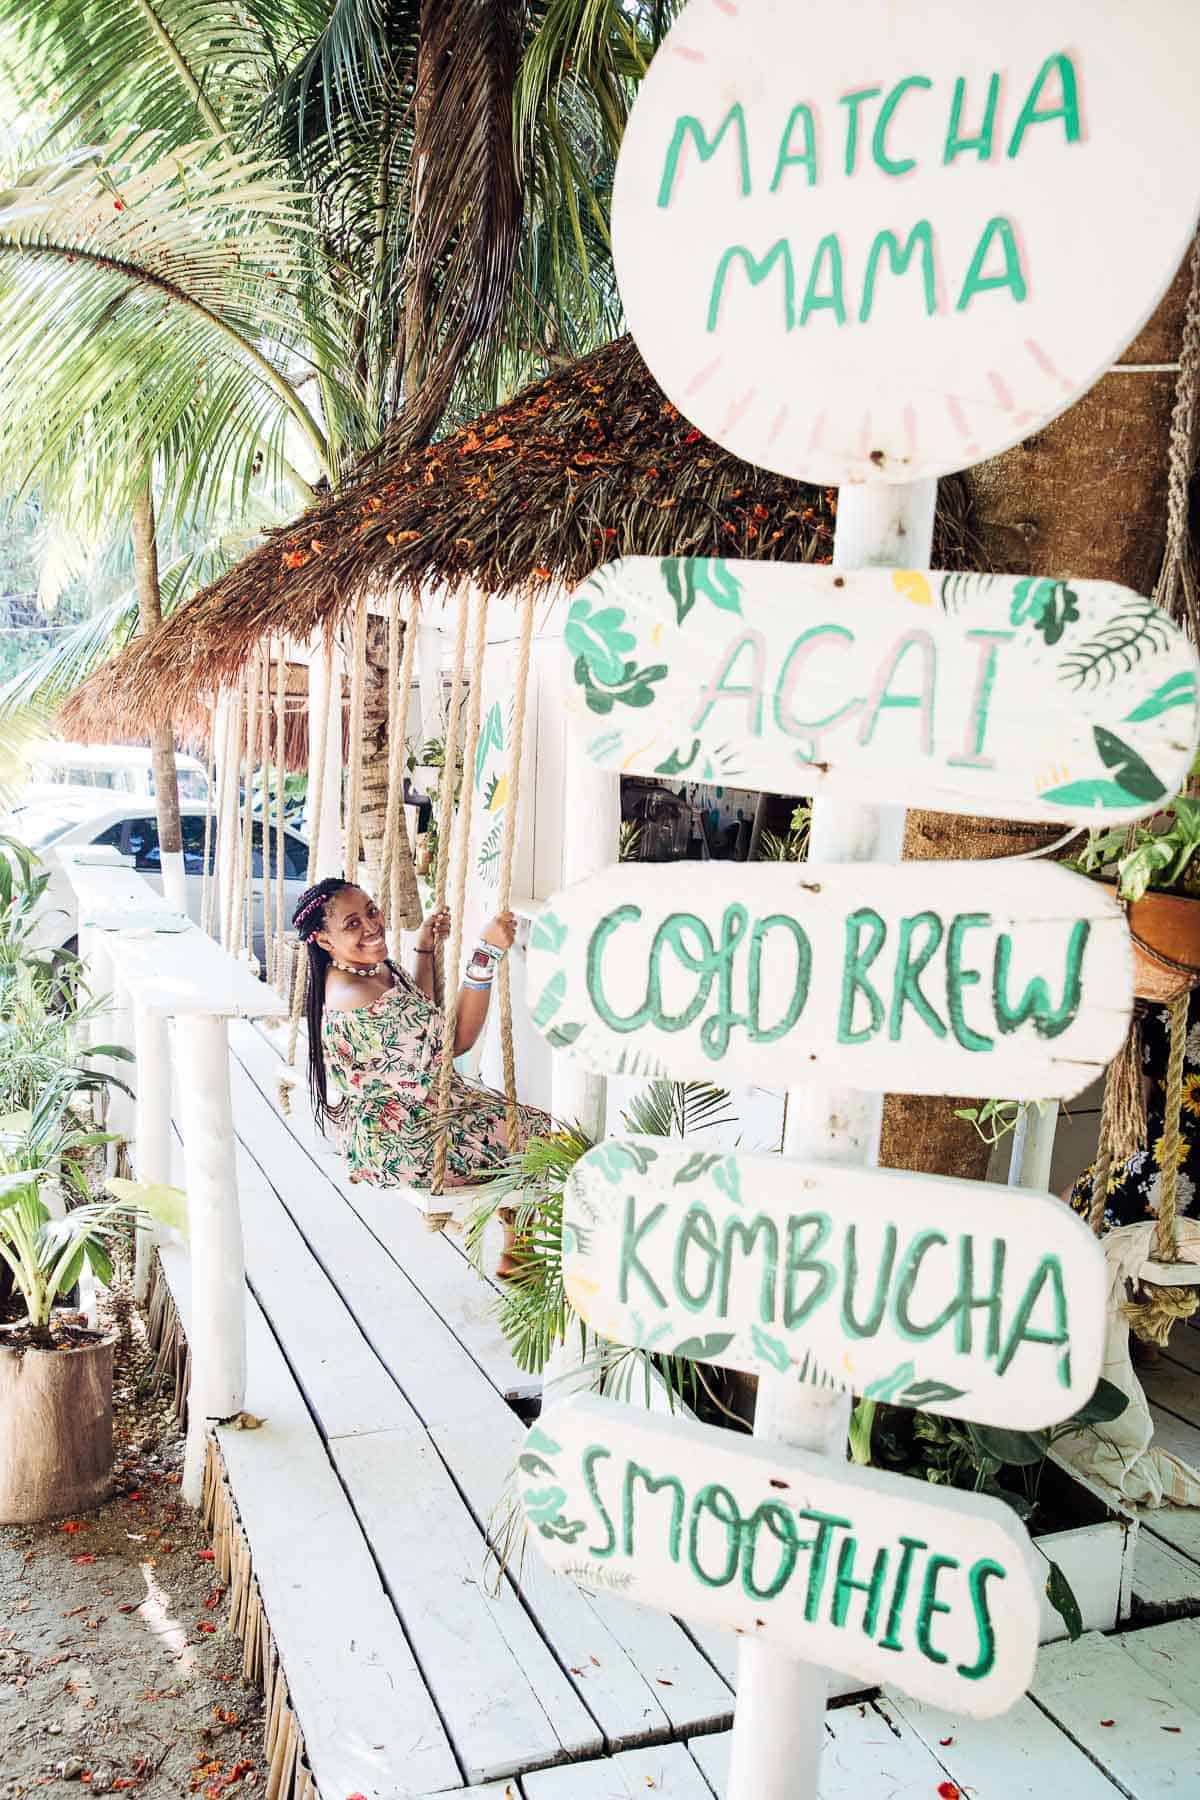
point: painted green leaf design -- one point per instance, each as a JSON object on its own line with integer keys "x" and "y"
{"x": 1089, "y": 793}
{"x": 1180, "y": 690}
{"x": 552, "y": 998}
{"x": 549, "y": 932}
{"x": 1134, "y": 775}
{"x": 544, "y": 1503}
{"x": 676, "y": 763}
{"x": 563, "y": 1036}
{"x": 713, "y": 577}
{"x": 612, "y": 1160}
{"x": 537, "y": 1439}
{"x": 696, "y": 1165}
{"x": 530, "y": 1463}
{"x": 888, "y": 1386}
{"x": 704, "y": 1349}
{"x": 598, "y": 638}
{"x": 930, "y": 1393}
{"x": 684, "y": 597}
{"x": 727, "y": 1179}
{"x": 770, "y": 1349}
{"x": 490, "y": 738}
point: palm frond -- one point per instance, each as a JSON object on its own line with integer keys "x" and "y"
{"x": 677, "y": 1109}
{"x": 163, "y": 278}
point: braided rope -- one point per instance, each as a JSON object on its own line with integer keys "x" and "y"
{"x": 507, "y": 849}
{"x": 406, "y": 913}
{"x": 1177, "y": 1014}
{"x": 358, "y": 682}
{"x": 229, "y": 813}
{"x": 1176, "y": 589}
{"x": 300, "y": 979}
{"x": 389, "y": 824}
{"x": 277, "y": 973}
{"x": 208, "y": 887}
{"x": 245, "y": 753}
{"x": 450, "y": 1002}
{"x": 446, "y": 792}
{"x": 265, "y": 779}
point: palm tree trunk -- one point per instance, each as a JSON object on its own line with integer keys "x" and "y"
{"x": 162, "y": 742}
{"x": 374, "y": 750}
{"x": 1086, "y": 497}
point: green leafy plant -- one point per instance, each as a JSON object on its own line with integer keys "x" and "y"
{"x": 985, "y": 1459}
{"x": 534, "y": 1312}
{"x": 46, "y": 1255}
{"x": 994, "y": 1119}
{"x": 792, "y": 846}
{"x": 1162, "y": 855}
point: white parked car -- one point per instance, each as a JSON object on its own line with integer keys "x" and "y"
{"x": 114, "y": 768}
{"x": 73, "y": 816}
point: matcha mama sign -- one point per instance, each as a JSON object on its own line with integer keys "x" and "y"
{"x": 883, "y": 1578}
{"x": 903, "y": 1287}
{"x": 925, "y": 978}
{"x": 1021, "y": 698}
{"x": 890, "y": 246}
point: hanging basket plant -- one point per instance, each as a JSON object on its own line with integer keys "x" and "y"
{"x": 1155, "y": 871}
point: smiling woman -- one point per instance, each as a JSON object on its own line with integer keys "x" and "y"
{"x": 375, "y": 1031}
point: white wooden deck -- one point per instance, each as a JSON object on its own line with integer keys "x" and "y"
{"x": 368, "y": 1496}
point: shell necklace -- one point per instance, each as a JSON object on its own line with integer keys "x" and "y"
{"x": 354, "y": 968}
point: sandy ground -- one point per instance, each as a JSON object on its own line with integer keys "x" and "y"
{"x": 117, "y": 1672}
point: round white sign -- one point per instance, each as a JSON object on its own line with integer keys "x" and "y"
{"x": 882, "y": 241}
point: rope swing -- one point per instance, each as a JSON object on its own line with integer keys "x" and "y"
{"x": 507, "y": 849}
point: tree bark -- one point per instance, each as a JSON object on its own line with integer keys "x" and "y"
{"x": 374, "y": 750}
{"x": 1086, "y": 497}
{"x": 162, "y": 742}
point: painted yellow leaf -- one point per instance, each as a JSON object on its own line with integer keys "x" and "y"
{"x": 500, "y": 796}
{"x": 910, "y": 584}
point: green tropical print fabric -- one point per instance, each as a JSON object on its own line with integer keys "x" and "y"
{"x": 383, "y": 1064}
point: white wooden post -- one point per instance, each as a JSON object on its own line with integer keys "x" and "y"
{"x": 1033, "y": 1147}
{"x": 324, "y": 683}
{"x": 218, "y": 1345}
{"x": 778, "y": 1729}
{"x": 228, "y": 802}
{"x": 152, "y": 1131}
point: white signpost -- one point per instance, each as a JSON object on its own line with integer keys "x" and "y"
{"x": 1071, "y": 701}
{"x": 869, "y": 247}
{"x": 888, "y": 241}
{"x": 879, "y": 1577}
{"x": 901, "y": 1287}
{"x": 931, "y": 982}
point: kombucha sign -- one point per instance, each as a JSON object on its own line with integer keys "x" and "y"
{"x": 1009, "y": 978}
{"x": 888, "y": 247}
{"x": 877, "y": 1576}
{"x": 1000, "y": 694}
{"x": 905, "y": 1288}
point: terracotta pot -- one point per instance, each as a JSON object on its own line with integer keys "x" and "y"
{"x": 1165, "y": 929}
{"x": 56, "y": 1438}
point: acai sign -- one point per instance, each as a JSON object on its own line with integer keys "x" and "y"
{"x": 1009, "y": 978}
{"x": 905, "y": 1288}
{"x": 875, "y": 1575}
{"x": 882, "y": 241}
{"x": 1013, "y": 696}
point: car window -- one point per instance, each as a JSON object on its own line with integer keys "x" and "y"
{"x": 113, "y": 837}
{"x": 193, "y": 784}
{"x": 142, "y": 845}
{"x": 295, "y": 854}
{"x": 192, "y": 827}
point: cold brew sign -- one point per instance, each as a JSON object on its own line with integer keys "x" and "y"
{"x": 883, "y": 1578}
{"x": 927, "y": 978}
{"x": 888, "y": 246}
{"x": 905, "y": 1288}
{"x": 1006, "y": 695}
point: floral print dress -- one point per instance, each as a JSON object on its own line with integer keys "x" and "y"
{"x": 1134, "y": 1186}
{"x": 383, "y": 1063}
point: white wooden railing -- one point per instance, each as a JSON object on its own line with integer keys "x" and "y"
{"x": 155, "y": 973}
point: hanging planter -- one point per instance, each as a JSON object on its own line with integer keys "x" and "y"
{"x": 1165, "y": 929}
{"x": 1153, "y": 872}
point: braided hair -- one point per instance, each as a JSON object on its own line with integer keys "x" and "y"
{"x": 308, "y": 919}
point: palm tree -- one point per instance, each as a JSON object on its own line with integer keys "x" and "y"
{"x": 304, "y": 226}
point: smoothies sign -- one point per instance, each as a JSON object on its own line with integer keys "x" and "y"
{"x": 882, "y": 243}
{"x": 888, "y": 1579}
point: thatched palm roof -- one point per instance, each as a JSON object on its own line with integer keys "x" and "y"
{"x": 589, "y": 464}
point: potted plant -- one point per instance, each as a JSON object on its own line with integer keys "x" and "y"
{"x": 55, "y": 1376}
{"x": 1155, "y": 868}
{"x": 1087, "y": 1545}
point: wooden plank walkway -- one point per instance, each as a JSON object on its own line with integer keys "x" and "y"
{"x": 370, "y": 1496}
